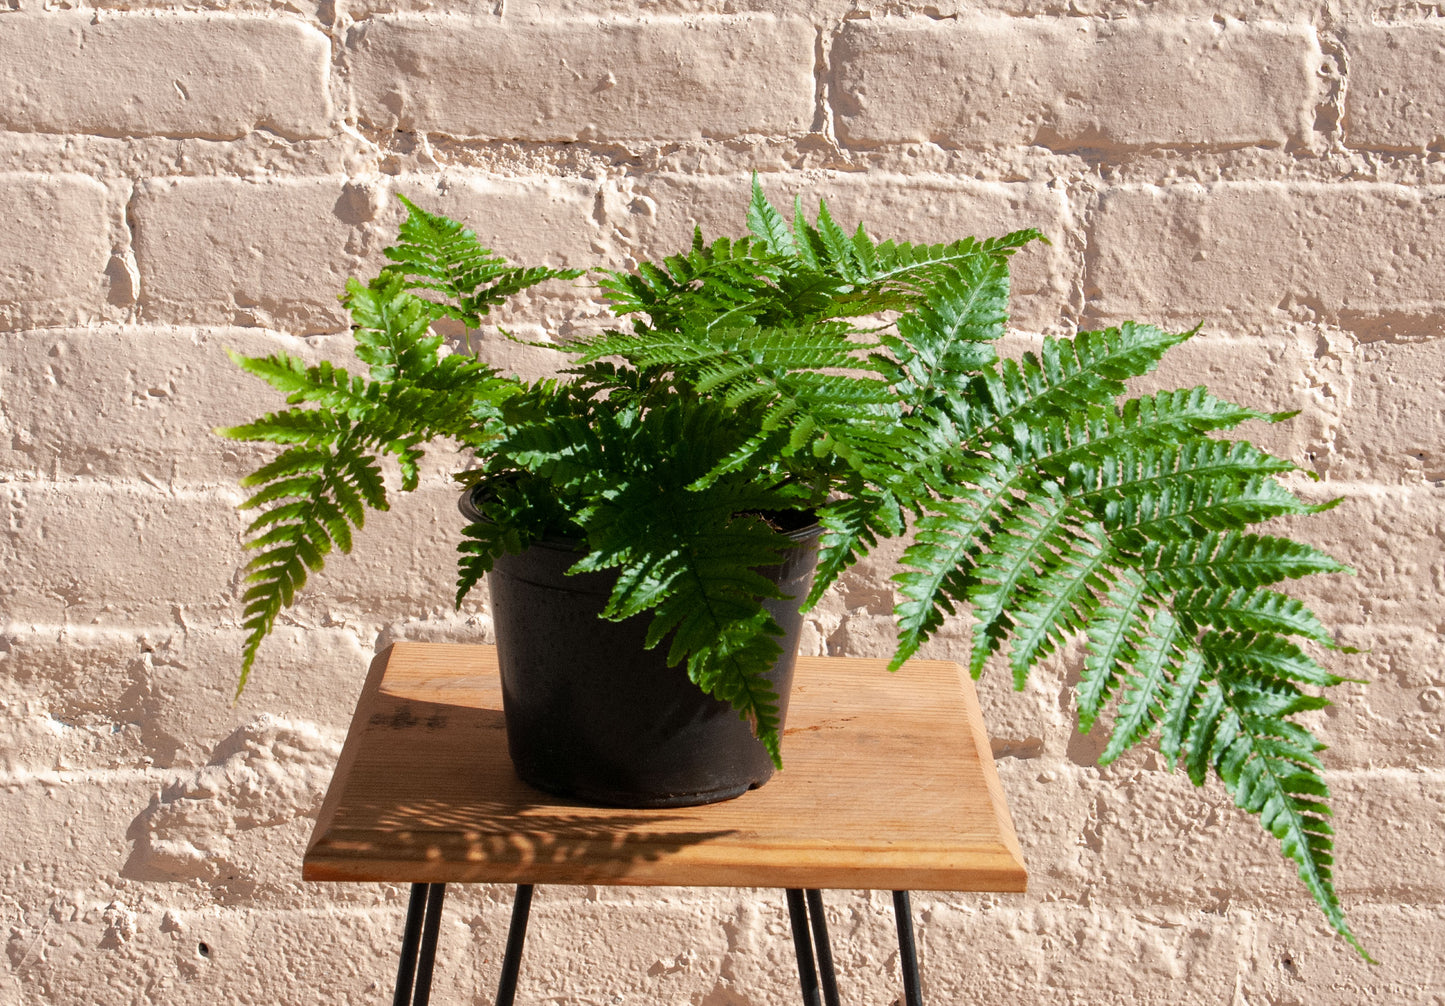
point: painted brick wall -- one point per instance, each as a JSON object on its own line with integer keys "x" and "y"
{"x": 175, "y": 181}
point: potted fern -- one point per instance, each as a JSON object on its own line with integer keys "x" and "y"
{"x": 804, "y": 369}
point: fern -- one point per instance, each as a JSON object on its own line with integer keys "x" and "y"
{"x": 805, "y": 366}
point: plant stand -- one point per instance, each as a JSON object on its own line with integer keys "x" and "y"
{"x": 888, "y": 785}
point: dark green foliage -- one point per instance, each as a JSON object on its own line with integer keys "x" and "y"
{"x": 1041, "y": 498}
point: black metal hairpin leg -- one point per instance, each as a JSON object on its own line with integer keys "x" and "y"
{"x": 801, "y": 905}
{"x": 823, "y": 946}
{"x": 419, "y": 945}
{"x": 803, "y": 946}
{"x": 907, "y": 950}
{"x": 516, "y": 937}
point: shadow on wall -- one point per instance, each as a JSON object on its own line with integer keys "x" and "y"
{"x": 243, "y": 816}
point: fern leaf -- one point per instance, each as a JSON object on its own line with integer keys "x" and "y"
{"x": 851, "y": 526}
{"x": 949, "y": 336}
{"x": 436, "y": 253}
{"x": 299, "y": 533}
{"x": 945, "y": 550}
{"x": 1232, "y": 559}
{"x": 1276, "y": 778}
{"x": 1063, "y": 600}
{"x": 1084, "y": 436}
{"x": 1029, "y": 540}
{"x": 768, "y": 224}
{"x": 1250, "y": 610}
{"x": 1182, "y": 705}
{"x": 1115, "y": 633}
{"x": 1266, "y": 657}
{"x": 1146, "y": 686}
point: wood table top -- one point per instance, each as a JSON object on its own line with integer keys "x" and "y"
{"x": 888, "y": 784}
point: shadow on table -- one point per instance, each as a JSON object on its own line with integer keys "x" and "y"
{"x": 431, "y": 784}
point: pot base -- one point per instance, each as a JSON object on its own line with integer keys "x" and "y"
{"x": 633, "y": 800}
{"x": 593, "y": 716}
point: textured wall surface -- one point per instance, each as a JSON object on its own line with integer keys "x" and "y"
{"x": 179, "y": 177}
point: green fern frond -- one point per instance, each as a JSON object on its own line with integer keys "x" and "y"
{"x": 1038, "y": 530}
{"x": 1063, "y": 600}
{"x": 768, "y": 225}
{"x": 1232, "y": 559}
{"x": 1184, "y": 504}
{"x": 851, "y": 527}
{"x": 1098, "y": 432}
{"x": 949, "y": 337}
{"x": 297, "y": 535}
{"x": 1276, "y": 777}
{"x": 1244, "y": 610}
{"x": 438, "y": 254}
{"x": 939, "y": 562}
{"x": 1114, "y": 635}
{"x": 1146, "y": 685}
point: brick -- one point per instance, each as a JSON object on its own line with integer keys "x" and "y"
{"x": 139, "y": 403}
{"x": 1395, "y": 720}
{"x": 1393, "y": 537}
{"x": 609, "y": 79}
{"x": 162, "y": 695}
{"x": 215, "y": 76}
{"x": 1237, "y": 251}
{"x": 1270, "y": 373}
{"x": 55, "y": 853}
{"x": 1026, "y": 953}
{"x": 71, "y": 559}
{"x": 531, "y": 221}
{"x": 119, "y": 555}
{"x": 130, "y": 935}
{"x": 1074, "y": 83}
{"x": 1396, "y": 94}
{"x": 1135, "y": 833}
{"x": 657, "y": 216}
{"x": 55, "y": 230}
{"x": 268, "y": 252}
{"x": 1394, "y": 428}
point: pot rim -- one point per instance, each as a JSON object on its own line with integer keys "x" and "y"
{"x": 562, "y": 543}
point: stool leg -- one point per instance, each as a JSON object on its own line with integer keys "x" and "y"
{"x": 516, "y": 937}
{"x": 410, "y": 941}
{"x": 803, "y": 946}
{"x": 432, "y": 927}
{"x": 907, "y": 950}
{"x": 824, "y": 947}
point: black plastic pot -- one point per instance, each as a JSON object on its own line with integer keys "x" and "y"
{"x": 590, "y": 714}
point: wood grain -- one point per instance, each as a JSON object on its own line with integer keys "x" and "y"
{"x": 888, "y": 783}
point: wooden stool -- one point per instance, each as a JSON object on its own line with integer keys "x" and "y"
{"x": 888, "y": 784}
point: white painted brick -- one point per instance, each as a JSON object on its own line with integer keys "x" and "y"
{"x": 656, "y": 218}
{"x": 531, "y": 221}
{"x": 1396, "y": 94}
{"x": 611, "y": 80}
{"x": 1062, "y": 953}
{"x": 1394, "y": 538}
{"x": 115, "y": 555}
{"x": 270, "y": 252}
{"x": 1270, "y": 373}
{"x": 93, "y": 553}
{"x": 157, "y": 956}
{"x": 55, "y": 230}
{"x": 1135, "y": 833}
{"x": 139, "y": 402}
{"x": 1394, "y": 427}
{"x": 162, "y": 695}
{"x": 1237, "y": 251}
{"x": 1395, "y": 720}
{"x": 1072, "y": 83}
{"x": 216, "y": 76}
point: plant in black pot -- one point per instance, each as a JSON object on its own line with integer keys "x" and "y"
{"x": 670, "y": 480}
